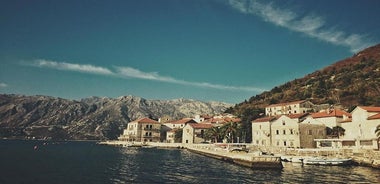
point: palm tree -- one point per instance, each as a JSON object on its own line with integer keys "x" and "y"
{"x": 215, "y": 134}
{"x": 377, "y": 131}
{"x": 230, "y": 131}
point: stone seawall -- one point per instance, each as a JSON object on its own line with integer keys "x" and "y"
{"x": 251, "y": 160}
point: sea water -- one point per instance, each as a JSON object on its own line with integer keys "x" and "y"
{"x": 87, "y": 162}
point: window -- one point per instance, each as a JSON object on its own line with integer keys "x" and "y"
{"x": 257, "y": 142}
{"x": 278, "y": 143}
{"x": 284, "y": 143}
{"x": 277, "y": 132}
{"x": 310, "y": 132}
{"x": 284, "y": 132}
{"x": 283, "y": 122}
{"x": 295, "y": 112}
{"x": 291, "y": 131}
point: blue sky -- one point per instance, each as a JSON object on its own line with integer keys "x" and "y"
{"x": 210, "y": 50}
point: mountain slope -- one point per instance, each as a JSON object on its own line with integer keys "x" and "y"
{"x": 349, "y": 82}
{"x": 90, "y": 118}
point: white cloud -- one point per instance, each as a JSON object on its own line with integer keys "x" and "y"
{"x": 129, "y": 72}
{"x": 3, "y": 85}
{"x": 135, "y": 73}
{"x": 73, "y": 67}
{"x": 311, "y": 25}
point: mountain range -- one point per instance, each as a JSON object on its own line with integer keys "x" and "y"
{"x": 92, "y": 118}
{"x": 347, "y": 83}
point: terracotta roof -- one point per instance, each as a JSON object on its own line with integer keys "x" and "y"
{"x": 183, "y": 121}
{"x": 296, "y": 116}
{"x": 200, "y": 125}
{"x": 376, "y": 116}
{"x": 332, "y": 113}
{"x": 146, "y": 120}
{"x": 348, "y": 120}
{"x": 223, "y": 120}
{"x": 287, "y": 103}
{"x": 264, "y": 119}
{"x": 370, "y": 109}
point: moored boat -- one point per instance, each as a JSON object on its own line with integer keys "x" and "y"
{"x": 327, "y": 161}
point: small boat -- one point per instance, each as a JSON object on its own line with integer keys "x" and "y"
{"x": 148, "y": 146}
{"x": 327, "y": 161}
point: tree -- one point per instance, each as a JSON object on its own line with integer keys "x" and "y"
{"x": 215, "y": 134}
{"x": 230, "y": 131}
{"x": 178, "y": 135}
{"x": 338, "y": 131}
{"x": 329, "y": 131}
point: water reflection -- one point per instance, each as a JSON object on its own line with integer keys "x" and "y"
{"x": 136, "y": 165}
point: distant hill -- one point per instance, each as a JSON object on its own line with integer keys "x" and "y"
{"x": 90, "y": 118}
{"x": 349, "y": 82}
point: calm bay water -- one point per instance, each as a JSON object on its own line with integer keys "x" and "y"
{"x": 87, "y": 162}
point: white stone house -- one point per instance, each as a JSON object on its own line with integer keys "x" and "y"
{"x": 287, "y": 131}
{"x": 142, "y": 130}
{"x": 261, "y": 131}
{"x": 296, "y": 107}
{"x": 330, "y": 117}
{"x": 170, "y": 128}
{"x": 193, "y": 133}
{"x": 362, "y": 127}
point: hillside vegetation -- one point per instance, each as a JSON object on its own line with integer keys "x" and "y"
{"x": 350, "y": 82}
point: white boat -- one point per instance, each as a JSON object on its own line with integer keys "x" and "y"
{"x": 148, "y": 146}
{"x": 327, "y": 161}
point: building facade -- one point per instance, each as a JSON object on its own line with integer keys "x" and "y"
{"x": 194, "y": 133}
{"x": 142, "y": 130}
{"x": 286, "y": 131}
{"x": 362, "y": 127}
{"x": 296, "y": 107}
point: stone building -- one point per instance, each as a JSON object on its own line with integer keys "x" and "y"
{"x": 193, "y": 133}
{"x": 142, "y": 130}
{"x": 296, "y": 107}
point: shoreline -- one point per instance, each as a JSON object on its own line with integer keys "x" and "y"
{"x": 361, "y": 157}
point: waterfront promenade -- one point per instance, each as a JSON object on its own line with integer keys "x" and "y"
{"x": 364, "y": 157}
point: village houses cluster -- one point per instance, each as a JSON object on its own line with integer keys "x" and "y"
{"x": 299, "y": 124}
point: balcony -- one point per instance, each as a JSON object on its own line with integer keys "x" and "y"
{"x": 152, "y": 129}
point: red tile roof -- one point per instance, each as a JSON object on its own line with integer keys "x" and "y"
{"x": 200, "y": 125}
{"x": 376, "y": 116}
{"x": 183, "y": 121}
{"x": 146, "y": 120}
{"x": 332, "y": 113}
{"x": 348, "y": 120}
{"x": 223, "y": 120}
{"x": 297, "y": 116}
{"x": 264, "y": 119}
{"x": 287, "y": 103}
{"x": 370, "y": 109}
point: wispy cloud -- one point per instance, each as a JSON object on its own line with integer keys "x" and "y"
{"x": 129, "y": 72}
{"x": 72, "y": 67}
{"x": 311, "y": 25}
{"x": 3, "y": 85}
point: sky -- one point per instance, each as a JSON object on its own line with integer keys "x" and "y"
{"x": 209, "y": 50}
